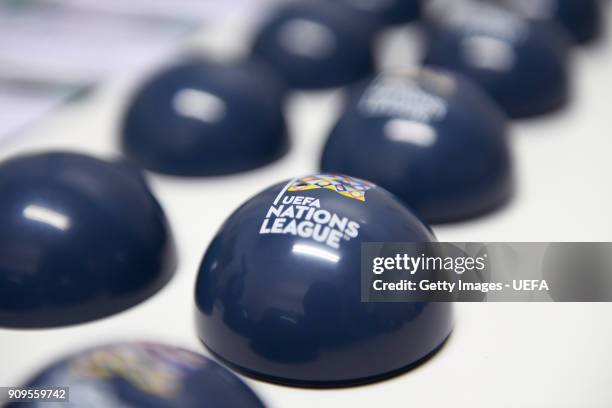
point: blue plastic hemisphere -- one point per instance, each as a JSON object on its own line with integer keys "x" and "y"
{"x": 205, "y": 119}
{"x": 433, "y": 139}
{"x": 278, "y": 293}
{"x": 80, "y": 239}
{"x": 141, "y": 374}
{"x": 522, "y": 63}
{"x": 384, "y": 12}
{"x": 315, "y": 45}
{"x": 581, "y": 18}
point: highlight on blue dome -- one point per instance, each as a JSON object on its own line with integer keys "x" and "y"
{"x": 278, "y": 294}
{"x": 522, "y": 63}
{"x": 432, "y": 138}
{"x": 316, "y": 44}
{"x": 199, "y": 118}
{"x": 80, "y": 239}
{"x": 141, "y": 374}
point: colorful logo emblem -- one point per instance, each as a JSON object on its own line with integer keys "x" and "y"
{"x": 153, "y": 369}
{"x": 346, "y": 186}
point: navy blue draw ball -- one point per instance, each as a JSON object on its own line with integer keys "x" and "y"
{"x": 141, "y": 374}
{"x": 315, "y": 44}
{"x": 433, "y": 139}
{"x": 204, "y": 119}
{"x": 582, "y": 18}
{"x": 522, "y": 63}
{"x": 278, "y": 293}
{"x": 80, "y": 238}
{"x": 384, "y": 12}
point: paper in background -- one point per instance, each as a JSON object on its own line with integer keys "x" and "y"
{"x": 51, "y": 50}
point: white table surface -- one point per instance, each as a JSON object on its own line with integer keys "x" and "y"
{"x": 500, "y": 355}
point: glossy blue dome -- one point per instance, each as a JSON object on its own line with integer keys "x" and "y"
{"x": 384, "y": 12}
{"x": 523, "y": 64}
{"x": 278, "y": 293}
{"x": 581, "y": 18}
{"x": 203, "y": 119}
{"x": 431, "y": 138}
{"x": 80, "y": 238}
{"x": 316, "y": 45}
{"x": 144, "y": 375}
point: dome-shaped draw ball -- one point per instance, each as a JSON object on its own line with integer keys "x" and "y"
{"x": 200, "y": 118}
{"x": 384, "y": 12}
{"x": 316, "y": 44}
{"x": 522, "y": 63}
{"x": 80, "y": 239}
{"x": 432, "y": 138}
{"x": 139, "y": 374}
{"x": 278, "y": 293}
{"x": 581, "y": 18}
